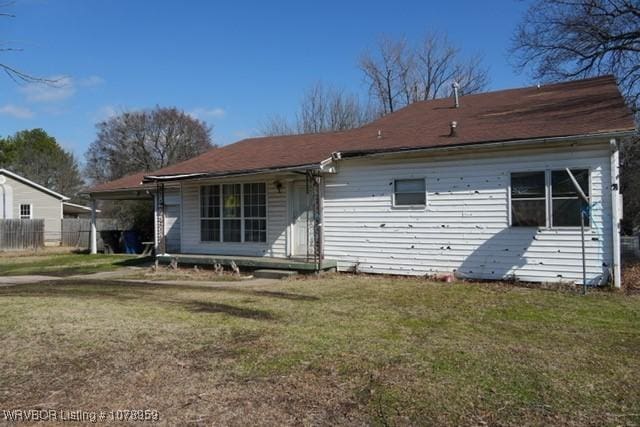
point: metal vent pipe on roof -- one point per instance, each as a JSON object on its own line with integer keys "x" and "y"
{"x": 453, "y": 128}
{"x": 456, "y": 87}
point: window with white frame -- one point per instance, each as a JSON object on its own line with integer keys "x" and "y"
{"x": 547, "y": 198}
{"x": 409, "y": 192}
{"x": 233, "y": 213}
{"x": 25, "y": 211}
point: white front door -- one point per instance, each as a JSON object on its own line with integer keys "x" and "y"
{"x": 172, "y": 228}
{"x": 301, "y": 219}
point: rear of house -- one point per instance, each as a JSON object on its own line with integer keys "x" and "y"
{"x": 480, "y": 190}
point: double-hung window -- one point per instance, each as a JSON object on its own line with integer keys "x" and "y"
{"x": 528, "y": 199}
{"x": 547, "y": 198}
{"x": 409, "y": 192}
{"x": 233, "y": 213}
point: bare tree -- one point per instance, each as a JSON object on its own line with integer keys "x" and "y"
{"x": 572, "y": 39}
{"x": 569, "y": 39}
{"x": 388, "y": 72}
{"x": 15, "y": 74}
{"x": 399, "y": 74}
{"x": 144, "y": 141}
{"x": 322, "y": 109}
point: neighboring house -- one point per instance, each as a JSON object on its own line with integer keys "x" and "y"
{"x": 479, "y": 189}
{"x": 22, "y": 198}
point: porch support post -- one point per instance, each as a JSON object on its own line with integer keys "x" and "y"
{"x": 616, "y": 215}
{"x": 94, "y": 233}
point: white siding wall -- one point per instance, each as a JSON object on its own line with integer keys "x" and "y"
{"x": 44, "y": 206}
{"x": 465, "y": 227}
{"x": 277, "y": 220}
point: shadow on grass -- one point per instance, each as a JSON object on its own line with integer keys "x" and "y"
{"x": 232, "y": 310}
{"x": 56, "y": 290}
{"x": 271, "y": 294}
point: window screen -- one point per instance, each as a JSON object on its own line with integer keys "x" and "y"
{"x": 528, "y": 199}
{"x": 566, "y": 205}
{"x": 410, "y": 192}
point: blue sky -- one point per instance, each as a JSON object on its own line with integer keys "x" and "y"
{"x": 232, "y": 64}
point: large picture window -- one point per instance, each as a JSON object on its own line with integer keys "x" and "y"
{"x": 233, "y": 213}
{"x": 544, "y": 198}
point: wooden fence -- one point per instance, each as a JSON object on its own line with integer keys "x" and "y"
{"x": 20, "y": 234}
{"x": 76, "y": 232}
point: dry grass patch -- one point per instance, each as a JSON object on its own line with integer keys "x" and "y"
{"x": 200, "y": 275}
{"x": 64, "y": 263}
{"x": 337, "y": 350}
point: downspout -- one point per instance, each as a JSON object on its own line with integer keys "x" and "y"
{"x": 615, "y": 212}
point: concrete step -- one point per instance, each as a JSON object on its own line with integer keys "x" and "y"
{"x": 274, "y": 274}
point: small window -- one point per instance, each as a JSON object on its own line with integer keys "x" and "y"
{"x": 25, "y": 211}
{"x": 410, "y": 192}
{"x": 528, "y": 199}
{"x": 566, "y": 205}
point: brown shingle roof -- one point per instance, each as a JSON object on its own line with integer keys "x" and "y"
{"x": 582, "y": 107}
{"x": 126, "y": 182}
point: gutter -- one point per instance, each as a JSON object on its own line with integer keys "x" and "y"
{"x": 458, "y": 147}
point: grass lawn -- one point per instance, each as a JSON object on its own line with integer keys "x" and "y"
{"x": 63, "y": 263}
{"x": 337, "y": 350}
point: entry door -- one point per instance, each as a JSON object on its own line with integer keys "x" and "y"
{"x": 172, "y": 228}
{"x": 301, "y": 219}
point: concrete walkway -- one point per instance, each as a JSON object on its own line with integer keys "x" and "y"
{"x": 25, "y": 280}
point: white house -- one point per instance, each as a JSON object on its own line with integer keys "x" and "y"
{"x": 476, "y": 186}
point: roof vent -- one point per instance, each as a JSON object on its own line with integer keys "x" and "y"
{"x": 379, "y": 134}
{"x": 455, "y": 87}
{"x": 453, "y": 128}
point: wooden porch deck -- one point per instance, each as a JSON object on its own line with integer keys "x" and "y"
{"x": 249, "y": 262}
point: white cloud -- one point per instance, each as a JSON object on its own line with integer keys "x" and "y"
{"x": 16, "y": 112}
{"x": 105, "y": 113}
{"x": 91, "y": 81}
{"x": 61, "y": 88}
{"x": 204, "y": 113}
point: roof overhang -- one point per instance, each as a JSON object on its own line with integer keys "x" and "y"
{"x": 513, "y": 143}
{"x": 211, "y": 175}
{"x": 74, "y": 208}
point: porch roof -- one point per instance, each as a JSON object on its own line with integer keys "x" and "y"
{"x": 572, "y": 109}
